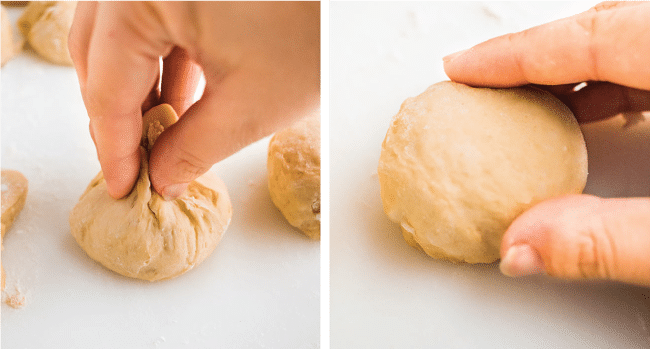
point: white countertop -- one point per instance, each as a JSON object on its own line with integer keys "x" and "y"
{"x": 260, "y": 288}
{"x": 386, "y": 294}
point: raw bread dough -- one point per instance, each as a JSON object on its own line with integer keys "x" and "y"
{"x": 46, "y": 25}
{"x": 294, "y": 174}
{"x": 142, "y": 235}
{"x": 458, "y": 164}
{"x": 14, "y": 193}
{"x": 10, "y": 44}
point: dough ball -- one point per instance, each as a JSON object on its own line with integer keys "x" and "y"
{"x": 142, "y": 235}
{"x": 459, "y": 164}
{"x": 14, "y": 194}
{"x": 294, "y": 174}
{"x": 46, "y": 25}
{"x": 11, "y": 45}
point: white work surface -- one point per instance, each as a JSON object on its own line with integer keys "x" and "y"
{"x": 259, "y": 288}
{"x": 386, "y": 294}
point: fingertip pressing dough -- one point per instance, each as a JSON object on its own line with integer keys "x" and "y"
{"x": 46, "y": 25}
{"x": 11, "y": 45}
{"x": 14, "y": 193}
{"x": 293, "y": 167}
{"x": 142, "y": 235}
{"x": 459, "y": 164}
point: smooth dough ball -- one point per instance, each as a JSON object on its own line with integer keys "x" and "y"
{"x": 459, "y": 164}
{"x": 46, "y": 25}
{"x": 142, "y": 235}
{"x": 294, "y": 174}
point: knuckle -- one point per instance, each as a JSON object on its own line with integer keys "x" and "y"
{"x": 585, "y": 250}
{"x": 606, "y": 5}
{"x": 590, "y": 22}
{"x": 190, "y": 166}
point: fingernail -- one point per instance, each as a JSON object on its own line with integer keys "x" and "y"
{"x": 453, "y": 56}
{"x": 173, "y": 191}
{"x": 521, "y": 260}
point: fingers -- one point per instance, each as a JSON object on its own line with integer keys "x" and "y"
{"x": 123, "y": 65}
{"x": 153, "y": 98}
{"x": 581, "y": 237}
{"x": 600, "y": 100}
{"x": 242, "y": 108}
{"x": 603, "y": 44}
{"x": 79, "y": 38}
{"x": 180, "y": 78}
{"x": 214, "y": 127}
{"x": 256, "y": 81}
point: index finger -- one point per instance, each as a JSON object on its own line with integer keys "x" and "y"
{"x": 123, "y": 66}
{"x": 606, "y": 43}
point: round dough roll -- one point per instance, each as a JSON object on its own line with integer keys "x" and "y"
{"x": 459, "y": 164}
{"x": 46, "y": 25}
{"x": 293, "y": 167}
{"x": 142, "y": 235}
{"x": 11, "y": 44}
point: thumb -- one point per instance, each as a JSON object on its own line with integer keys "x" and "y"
{"x": 224, "y": 120}
{"x": 581, "y": 237}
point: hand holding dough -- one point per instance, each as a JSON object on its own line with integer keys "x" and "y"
{"x": 294, "y": 174}
{"x": 459, "y": 164}
{"x": 142, "y": 235}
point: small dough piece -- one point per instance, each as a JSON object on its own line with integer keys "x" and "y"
{"x": 293, "y": 167}
{"x": 11, "y": 45}
{"x": 46, "y": 25}
{"x": 459, "y": 164}
{"x": 14, "y": 193}
{"x": 142, "y": 235}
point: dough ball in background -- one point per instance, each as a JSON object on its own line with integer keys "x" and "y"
{"x": 459, "y": 164}
{"x": 293, "y": 167}
{"x": 11, "y": 44}
{"x": 142, "y": 235}
{"x": 14, "y": 194}
{"x": 46, "y": 25}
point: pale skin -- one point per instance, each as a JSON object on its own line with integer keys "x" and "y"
{"x": 578, "y": 236}
{"x": 261, "y": 63}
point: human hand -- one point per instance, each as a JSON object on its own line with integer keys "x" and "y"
{"x": 580, "y": 236}
{"x": 261, "y": 63}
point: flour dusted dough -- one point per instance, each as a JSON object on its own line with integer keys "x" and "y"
{"x": 142, "y": 235}
{"x": 458, "y": 164}
{"x": 46, "y": 25}
{"x": 14, "y": 193}
{"x": 294, "y": 174}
